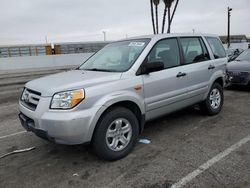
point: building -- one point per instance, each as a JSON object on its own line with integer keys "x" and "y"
{"x": 234, "y": 39}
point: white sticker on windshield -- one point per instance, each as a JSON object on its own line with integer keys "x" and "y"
{"x": 137, "y": 44}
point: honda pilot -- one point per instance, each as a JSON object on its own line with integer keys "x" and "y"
{"x": 107, "y": 100}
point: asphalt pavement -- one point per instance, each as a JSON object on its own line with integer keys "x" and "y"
{"x": 187, "y": 149}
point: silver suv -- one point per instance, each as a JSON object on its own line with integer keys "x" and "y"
{"x": 108, "y": 99}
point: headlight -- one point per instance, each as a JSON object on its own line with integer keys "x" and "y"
{"x": 67, "y": 99}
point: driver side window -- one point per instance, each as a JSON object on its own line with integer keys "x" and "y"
{"x": 166, "y": 51}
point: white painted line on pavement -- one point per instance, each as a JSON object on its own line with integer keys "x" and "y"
{"x": 14, "y": 134}
{"x": 210, "y": 163}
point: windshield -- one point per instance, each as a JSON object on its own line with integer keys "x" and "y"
{"x": 244, "y": 56}
{"x": 116, "y": 57}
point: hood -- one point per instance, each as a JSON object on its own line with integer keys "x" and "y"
{"x": 239, "y": 65}
{"x": 75, "y": 79}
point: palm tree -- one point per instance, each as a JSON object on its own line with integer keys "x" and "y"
{"x": 170, "y": 18}
{"x": 168, "y": 4}
{"x": 156, "y": 3}
{"x": 152, "y": 15}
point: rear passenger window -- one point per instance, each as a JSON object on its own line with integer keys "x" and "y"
{"x": 194, "y": 50}
{"x": 216, "y": 46}
{"x": 166, "y": 51}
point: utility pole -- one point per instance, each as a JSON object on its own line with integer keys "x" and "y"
{"x": 228, "y": 25}
{"x": 104, "y": 35}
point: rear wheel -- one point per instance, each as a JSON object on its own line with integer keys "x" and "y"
{"x": 116, "y": 134}
{"x": 214, "y": 101}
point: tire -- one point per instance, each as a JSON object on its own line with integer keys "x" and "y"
{"x": 211, "y": 107}
{"x": 248, "y": 85}
{"x": 116, "y": 121}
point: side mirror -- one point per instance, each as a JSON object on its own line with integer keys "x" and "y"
{"x": 152, "y": 66}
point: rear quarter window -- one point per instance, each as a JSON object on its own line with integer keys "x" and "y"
{"x": 216, "y": 46}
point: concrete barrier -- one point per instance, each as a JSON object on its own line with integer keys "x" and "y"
{"x": 24, "y": 64}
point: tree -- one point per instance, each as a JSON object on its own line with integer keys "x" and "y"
{"x": 167, "y": 9}
{"x": 152, "y": 15}
{"x": 168, "y": 4}
{"x": 156, "y": 3}
{"x": 170, "y": 18}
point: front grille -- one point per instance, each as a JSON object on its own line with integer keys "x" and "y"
{"x": 30, "y": 98}
{"x": 238, "y": 73}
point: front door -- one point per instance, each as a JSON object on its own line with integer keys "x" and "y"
{"x": 164, "y": 90}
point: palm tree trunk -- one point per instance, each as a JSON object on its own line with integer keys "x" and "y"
{"x": 156, "y": 17}
{"x": 152, "y": 15}
{"x": 169, "y": 20}
{"x": 176, "y": 4}
{"x": 164, "y": 19}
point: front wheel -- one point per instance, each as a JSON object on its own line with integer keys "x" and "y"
{"x": 214, "y": 101}
{"x": 116, "y": 134}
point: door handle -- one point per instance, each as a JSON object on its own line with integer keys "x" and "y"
{"x": 211, "y": 67}
{"x": 181, "y": 74}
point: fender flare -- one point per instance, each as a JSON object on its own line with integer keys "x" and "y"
{"x": 109, "y": 101}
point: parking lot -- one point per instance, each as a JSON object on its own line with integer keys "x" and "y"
{"x": 187, "y": 149}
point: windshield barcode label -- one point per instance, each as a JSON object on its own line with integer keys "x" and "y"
{"x": 137, "y": 44}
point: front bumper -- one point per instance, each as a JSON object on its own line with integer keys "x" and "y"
{"x": 28, "y": 125}
{"x": 238, "y": 78}
{"x": 61, "y": 126}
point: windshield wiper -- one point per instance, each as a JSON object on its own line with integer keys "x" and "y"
{"x": 101, "y": 70}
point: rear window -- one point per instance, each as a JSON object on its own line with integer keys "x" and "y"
{"x": 216, "y": 46}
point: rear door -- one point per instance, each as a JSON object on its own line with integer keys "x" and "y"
{"x": 219, "y": 53}
{"x": 198, "y": 66}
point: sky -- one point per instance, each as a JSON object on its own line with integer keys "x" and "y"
{"x": 32, "y": 21}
